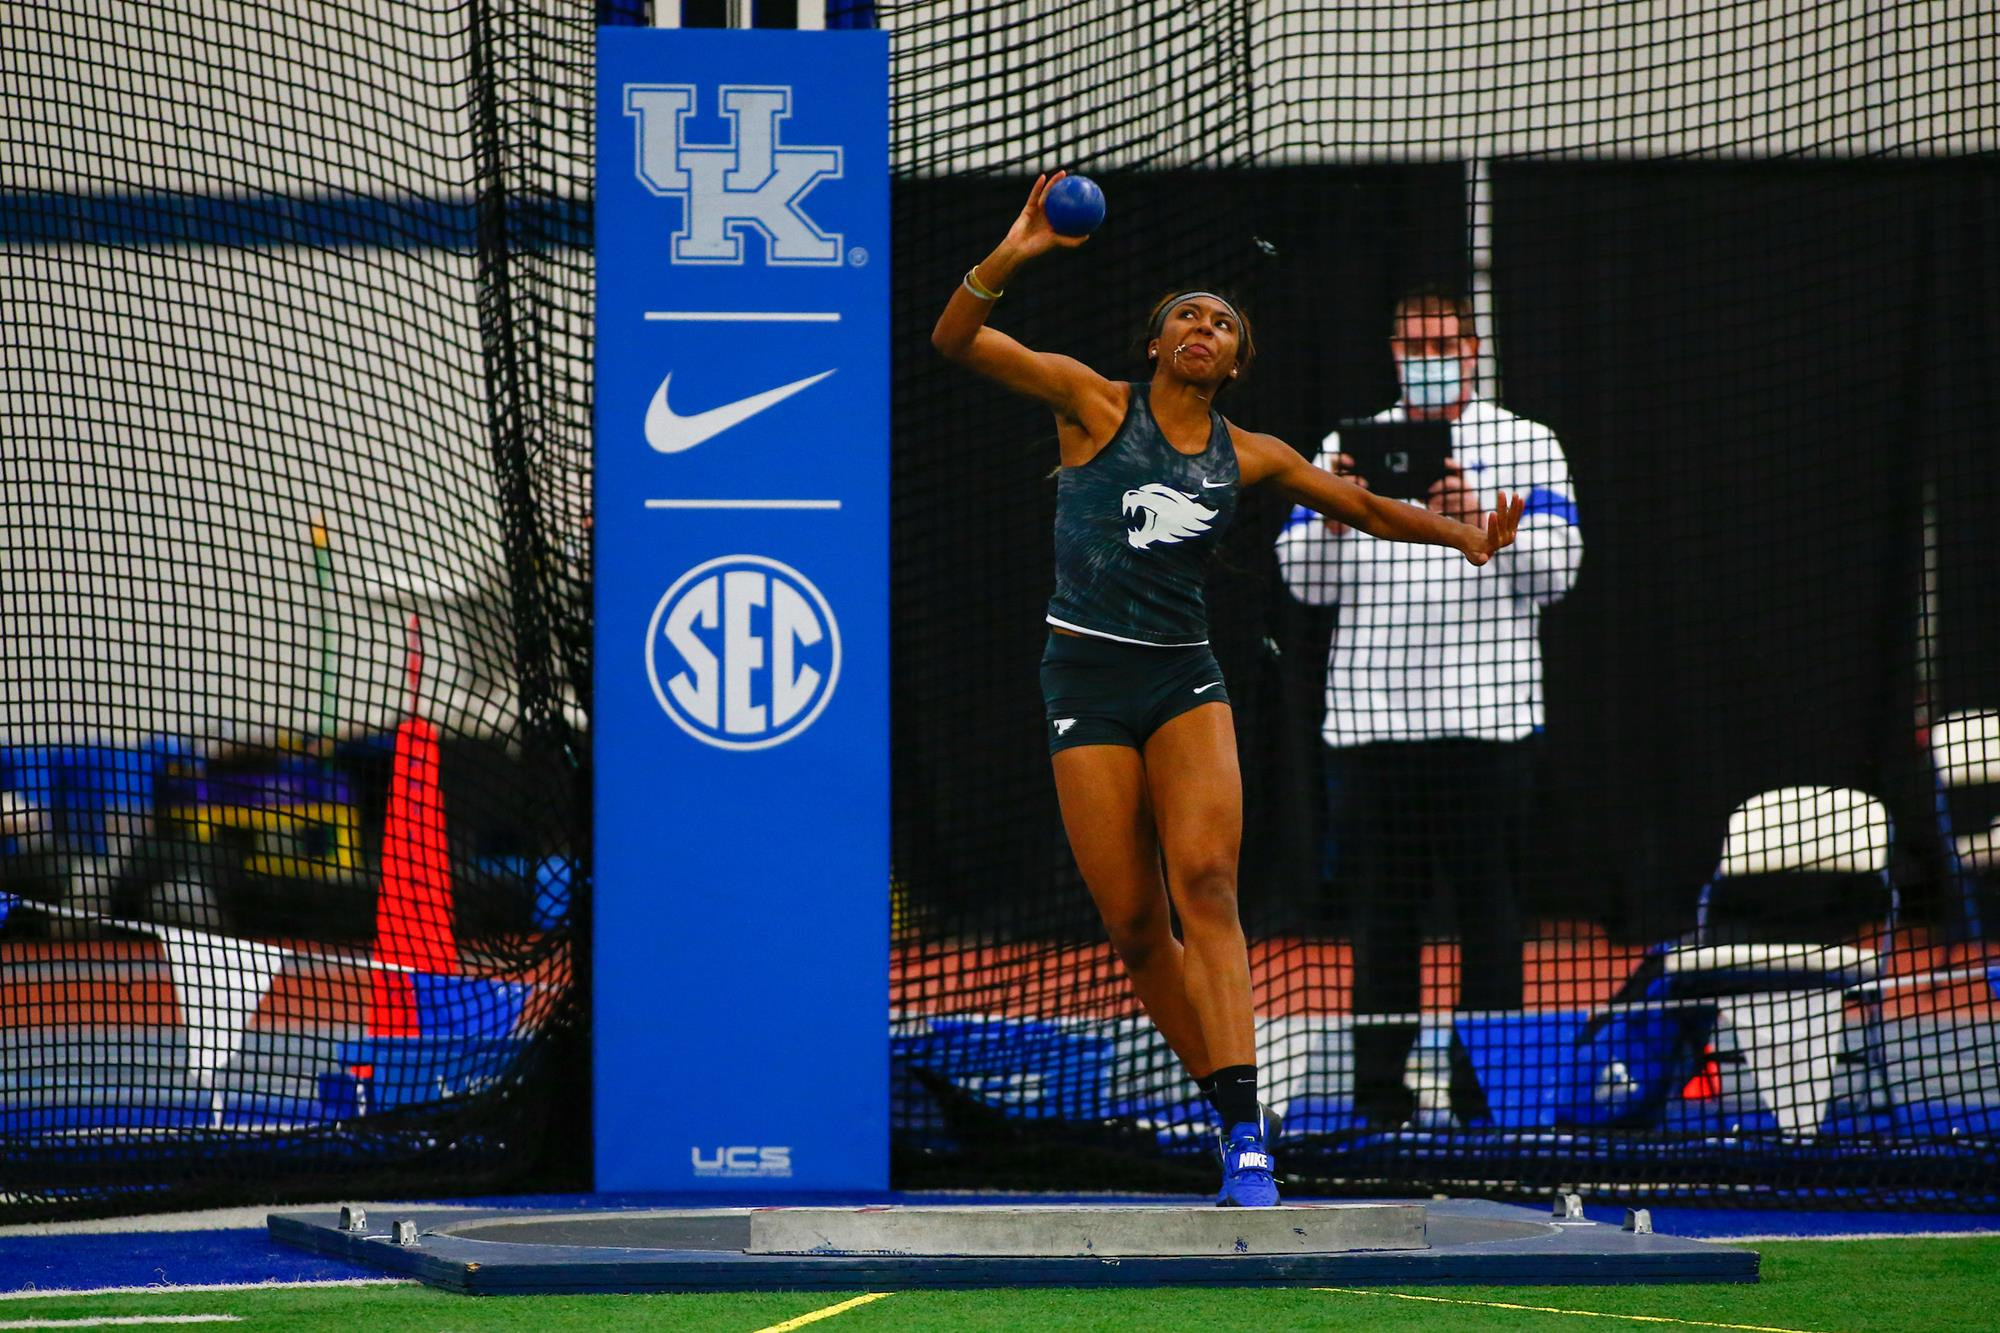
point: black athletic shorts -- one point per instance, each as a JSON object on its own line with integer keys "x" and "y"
{"x": 1097, "y": 692}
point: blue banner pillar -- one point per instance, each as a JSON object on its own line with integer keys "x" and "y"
{"x": 741, "y": 966}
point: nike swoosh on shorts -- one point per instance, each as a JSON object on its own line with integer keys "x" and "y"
{"x": 1211, "y": 685}
{"x": 1208, "y": 485}
{"x": 671, "y": 433}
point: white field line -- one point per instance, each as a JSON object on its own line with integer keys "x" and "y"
{"x": 202, "y": 1288}
{"x": 1557, "y": 1309}
{"x": 121, "y": 1321}
{"x": 828, "y": 1313}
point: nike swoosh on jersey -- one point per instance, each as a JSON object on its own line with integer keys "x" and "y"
{"x": 1208, "y": 485}
{"x": 671, "y": 433}
{"x": 1211, "y": 685}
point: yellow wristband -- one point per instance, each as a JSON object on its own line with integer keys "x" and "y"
{"x": 978, "y": 288}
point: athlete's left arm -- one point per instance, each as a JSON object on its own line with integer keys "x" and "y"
{"x": 1266, "y": 458}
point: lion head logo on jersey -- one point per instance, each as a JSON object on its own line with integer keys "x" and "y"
{"x": 1158, "y": 513}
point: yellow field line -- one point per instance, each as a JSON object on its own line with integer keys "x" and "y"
{"x": 1556, "y": 1309}
{"x": 828, "y": 1313}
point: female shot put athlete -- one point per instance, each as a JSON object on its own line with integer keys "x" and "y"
{"x": 1139, "y": 725}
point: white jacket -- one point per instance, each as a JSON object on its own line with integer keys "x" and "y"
{"x": 1428, "y": 645}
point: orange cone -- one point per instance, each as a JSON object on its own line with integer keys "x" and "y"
{"x": 413, "y": 906}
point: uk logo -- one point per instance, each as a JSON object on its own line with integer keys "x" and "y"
{"x": 743, "y": 652}
{"x": 1161, "y": 514}
{"x": 750, "y": 182}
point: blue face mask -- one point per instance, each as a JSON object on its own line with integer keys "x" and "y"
{"x": 1432, "y": 381}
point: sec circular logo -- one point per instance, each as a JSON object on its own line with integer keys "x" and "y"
{"x": 743, "y": 652}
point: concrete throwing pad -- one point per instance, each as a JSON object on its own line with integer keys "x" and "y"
{"x": 892, "y": 1248}
{"x": 1116, "y": 1232}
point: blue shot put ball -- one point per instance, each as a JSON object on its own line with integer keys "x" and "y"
{"x": 1074, "y": 206}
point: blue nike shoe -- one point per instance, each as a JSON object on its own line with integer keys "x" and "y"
{"x": 1249, "y": 1171}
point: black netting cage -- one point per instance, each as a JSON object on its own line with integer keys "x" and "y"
{"x": 1655, "y": 857}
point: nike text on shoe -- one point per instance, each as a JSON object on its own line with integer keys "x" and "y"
{"x": 671, "y": 433}
{"x": 1249, "y": 1172}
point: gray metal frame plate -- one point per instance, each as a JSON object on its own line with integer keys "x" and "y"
{"x": 1471, "y": 1241}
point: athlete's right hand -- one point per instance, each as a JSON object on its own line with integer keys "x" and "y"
{"x": 1031, "y": 234}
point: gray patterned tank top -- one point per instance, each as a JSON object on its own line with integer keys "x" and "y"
{"x": 1136, "y": 528}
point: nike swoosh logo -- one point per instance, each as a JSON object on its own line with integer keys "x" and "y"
{"x": 671, "y": 433}
{"x": 1211, "y": 685}
{"x": 1208, "y": 485}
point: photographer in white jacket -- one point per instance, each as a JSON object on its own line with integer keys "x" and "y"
{"x": 1434, "y": 681}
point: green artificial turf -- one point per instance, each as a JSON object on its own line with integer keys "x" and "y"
{"x": 1908, "y": 1286}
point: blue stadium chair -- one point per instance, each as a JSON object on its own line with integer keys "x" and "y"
{"x": 1965, "y": 756}
{"x": 1804, "y": 872}
{"x": 1762, "y": 984}
{"x": 71, "y": 815}
{"x": 1806, "y": 862}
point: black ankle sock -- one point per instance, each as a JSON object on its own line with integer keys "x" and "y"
{"x": 1234, "y": 1095}
{"x": 1207, "y": 1085}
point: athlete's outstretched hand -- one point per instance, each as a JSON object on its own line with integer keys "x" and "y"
{"x": 1031, "y": 234}
{"x": 1496, "y": 532}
